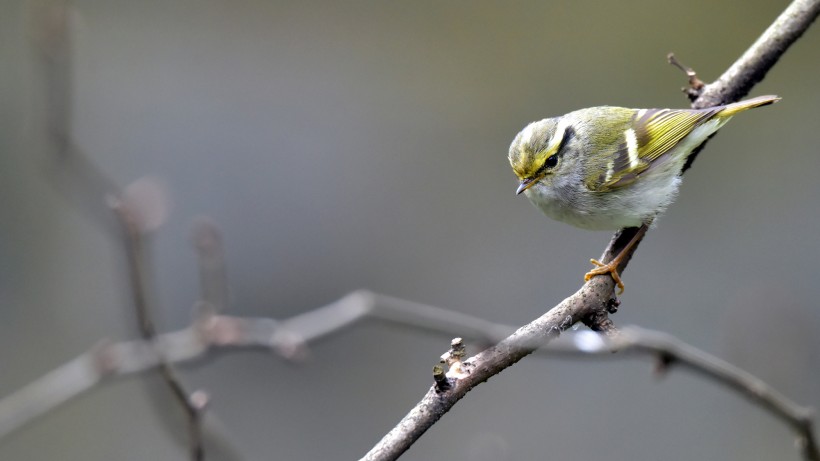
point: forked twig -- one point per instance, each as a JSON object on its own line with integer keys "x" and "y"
{"x": 51, "y": 23}
{"x": 695, "y": 84}
{"x": 135, "y": 249}
{"x": 289, "y": 338}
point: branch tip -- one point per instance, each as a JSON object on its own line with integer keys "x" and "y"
{"x": 292, "y": 347}
{"x": 695, "y": 84}
{"x": 440, "y": 378}
{"x": 453, "y": 359}
{"x": 199, "y": 400}
{"x": 457, "y": 348}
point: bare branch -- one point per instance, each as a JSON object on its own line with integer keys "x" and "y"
{"x": 289, "y": 338}
{"x": 671, "y": 351}
{"x": 51, "y": 23}
{"x": 755, "y": 63}
{"x": 213, "y": 279}
{"x": 134, "y": 225}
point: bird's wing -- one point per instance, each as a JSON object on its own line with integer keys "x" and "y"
{"x": 650, "y": 134}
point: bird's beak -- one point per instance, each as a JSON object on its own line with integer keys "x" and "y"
{"x": 525, "y": 184}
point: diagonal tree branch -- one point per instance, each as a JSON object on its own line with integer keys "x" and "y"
{"x": 592, "y": 300}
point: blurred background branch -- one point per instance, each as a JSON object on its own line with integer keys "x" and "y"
{"x": 139, "y": 208}
{"x": 139, "y": 212}
{"x": 288, "y": 338}
{"x": 670, "y": 351}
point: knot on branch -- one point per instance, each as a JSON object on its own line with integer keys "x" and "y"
{"x": 456, "y": 369}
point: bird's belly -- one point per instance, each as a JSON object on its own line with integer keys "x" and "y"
{"x": 599, "y": 219}
{"x": 632, "y": 206}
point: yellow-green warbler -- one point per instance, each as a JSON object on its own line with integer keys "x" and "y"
{"x": 607, "y": 168}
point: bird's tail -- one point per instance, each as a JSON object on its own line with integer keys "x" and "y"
{"x": 732, "y": 109}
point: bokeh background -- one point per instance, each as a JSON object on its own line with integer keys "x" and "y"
{"x": 342, "y": 145}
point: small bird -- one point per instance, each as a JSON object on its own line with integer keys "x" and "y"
{"x": 607, "y": 168}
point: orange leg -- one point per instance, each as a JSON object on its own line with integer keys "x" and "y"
{"x": 611, "y": 268}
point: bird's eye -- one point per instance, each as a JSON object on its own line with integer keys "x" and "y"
{"x": 552, "y": 160}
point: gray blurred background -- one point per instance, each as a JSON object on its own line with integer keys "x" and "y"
{"x": 363, "y": 144}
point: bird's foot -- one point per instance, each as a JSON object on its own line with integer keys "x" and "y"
{"x": 604, "y": 269}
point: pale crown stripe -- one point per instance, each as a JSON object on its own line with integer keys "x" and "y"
{"x": 556, "y": 139}
{"x": 528, "y": 133}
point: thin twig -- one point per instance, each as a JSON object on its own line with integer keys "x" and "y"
{"x": 78, "y": 179}
{"x": 51, "y": 23}
{"x": 213, "y": 279}
{"x": 695, "y": 84}
{"x": 137, "y": 271}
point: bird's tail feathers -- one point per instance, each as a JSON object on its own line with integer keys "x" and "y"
{"x": 732, "y": 109}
